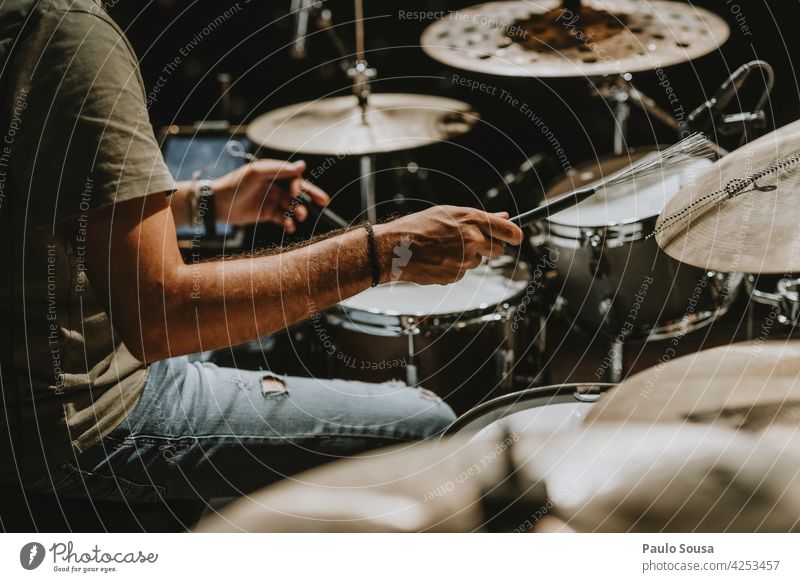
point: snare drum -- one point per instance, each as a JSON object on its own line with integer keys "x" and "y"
{"x": 467, "y": 341}
{"x": 548, "y": 409}
{"x": 615, "y": 280}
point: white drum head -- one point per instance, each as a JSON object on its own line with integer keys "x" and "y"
{"x": 547, "y": 419}
{"x": 625, "y": 204}
{"x": 480, "y": 288}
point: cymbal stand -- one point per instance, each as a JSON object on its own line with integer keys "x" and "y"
{"x": 362, "y": 75}
{"x": 621, "y": 94}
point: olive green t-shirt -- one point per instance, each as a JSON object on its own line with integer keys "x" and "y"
{"x": 74, "y": 136}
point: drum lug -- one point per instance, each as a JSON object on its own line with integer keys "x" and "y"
{"x": 505, "y": 366}
{"x": 411, "y": 329}
{"x": 596, "y": 242}
{"x": 789, "y": 291}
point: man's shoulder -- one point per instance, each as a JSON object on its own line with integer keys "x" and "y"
{"x": 15, "y": 8}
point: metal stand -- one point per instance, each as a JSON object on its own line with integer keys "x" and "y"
{"x": 358, "y": 70}
{"x": 620, "y": 94}
{"x": 616, "y": 354}
{"x": 366, "y": 168}
{"x": 362, "y": 75}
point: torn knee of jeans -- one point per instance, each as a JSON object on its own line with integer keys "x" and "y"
{"x": 428, "y": 395}
{"x": 272, "y": 385}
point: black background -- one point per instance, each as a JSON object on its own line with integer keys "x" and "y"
{"x": 251, "y": 46}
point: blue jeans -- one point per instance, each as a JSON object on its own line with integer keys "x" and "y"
{"x": 201, "y": 431}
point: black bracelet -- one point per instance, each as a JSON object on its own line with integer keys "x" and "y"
{"x": 373, "y": 255}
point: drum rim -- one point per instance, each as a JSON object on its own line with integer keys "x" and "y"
{"x": 404, "y": 321}
{"x": 581, "y": 228}
{"x": 519, "y": 396}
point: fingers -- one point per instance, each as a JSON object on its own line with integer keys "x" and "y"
{"x": 288, "y": 225}
{"x": 317, "y": 194}
{"x": 278, "y": 169}
{"x": 497, "y": 226}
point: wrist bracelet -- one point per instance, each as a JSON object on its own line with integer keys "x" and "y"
{"x": 192, "y": 199}
{"x": 207, "y": 208}
{"x": 373, "y": 255}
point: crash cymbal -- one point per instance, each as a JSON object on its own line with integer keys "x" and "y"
{"x": 526, "y": 39}
{"x": 749, "y": 385}
{"x": 753, "y": 231}
{"x": 604, "y": 478}
{"x": 407, "y": 488}
{"x": 336, "y": 126}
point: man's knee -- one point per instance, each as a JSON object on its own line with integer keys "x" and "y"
{"x": 434, "y": 415}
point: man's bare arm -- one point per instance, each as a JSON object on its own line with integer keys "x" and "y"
{"x": 163, "y": 307}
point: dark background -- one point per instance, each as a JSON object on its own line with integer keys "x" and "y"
{"x": 251, "y": 46}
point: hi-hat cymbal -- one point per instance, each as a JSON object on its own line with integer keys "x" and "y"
{"x": 748, "y": 385}
{"x": 756, "y": 230}
{"x": 525, "y": 39}
{"x": 336, "y": 126}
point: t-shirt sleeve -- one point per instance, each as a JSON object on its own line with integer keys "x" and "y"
{"x": 85, "y": 138}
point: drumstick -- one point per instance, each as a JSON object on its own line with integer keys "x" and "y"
{"x": 563, "y": 202}
{"x": 693, "y": 147}
{"x": 321, "y": 212}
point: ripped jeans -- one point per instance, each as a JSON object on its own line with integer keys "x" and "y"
{"x": 201, "y": 431}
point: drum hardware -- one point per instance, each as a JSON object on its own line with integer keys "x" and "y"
{"x": 302, "y": 12}
{"x": 694, "y": 146}
{"x": 786, "y": 299}
{"x": 710, "y": 116}
{"x": 571, "y": 400}
{"x": 620, "y": 93}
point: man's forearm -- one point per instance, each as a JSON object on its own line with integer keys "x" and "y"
{"x": 219, "y": 303}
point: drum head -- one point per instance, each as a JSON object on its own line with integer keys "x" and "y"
{"x": 482, "y": 288}
{"x": 624, "y": 204}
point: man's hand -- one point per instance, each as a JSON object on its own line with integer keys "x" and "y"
{"x": 440, "y": 244}
{"x": 265, "y": 191}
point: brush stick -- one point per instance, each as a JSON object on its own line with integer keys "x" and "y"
{"x": 693, "y": 147}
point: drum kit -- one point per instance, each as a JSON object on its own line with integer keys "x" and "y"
{"x": 700, "y": 442}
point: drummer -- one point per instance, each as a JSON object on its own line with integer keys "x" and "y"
{"x": 100, "y": 314}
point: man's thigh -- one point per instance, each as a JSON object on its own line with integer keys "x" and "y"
{"x": 201, "y": 430}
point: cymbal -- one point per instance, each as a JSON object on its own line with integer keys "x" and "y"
{"x": 666, "y": 478}
{"x": 335, "y": 126}
{"x": 753, "y": 232}
{"x": 601, "y": 478}
{"x": 406, "y": 488}
{"x": 749, "y": 385}
{"x": 525, "y": 39}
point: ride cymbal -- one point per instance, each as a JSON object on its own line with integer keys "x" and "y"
{"x": 525, "y": 39}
